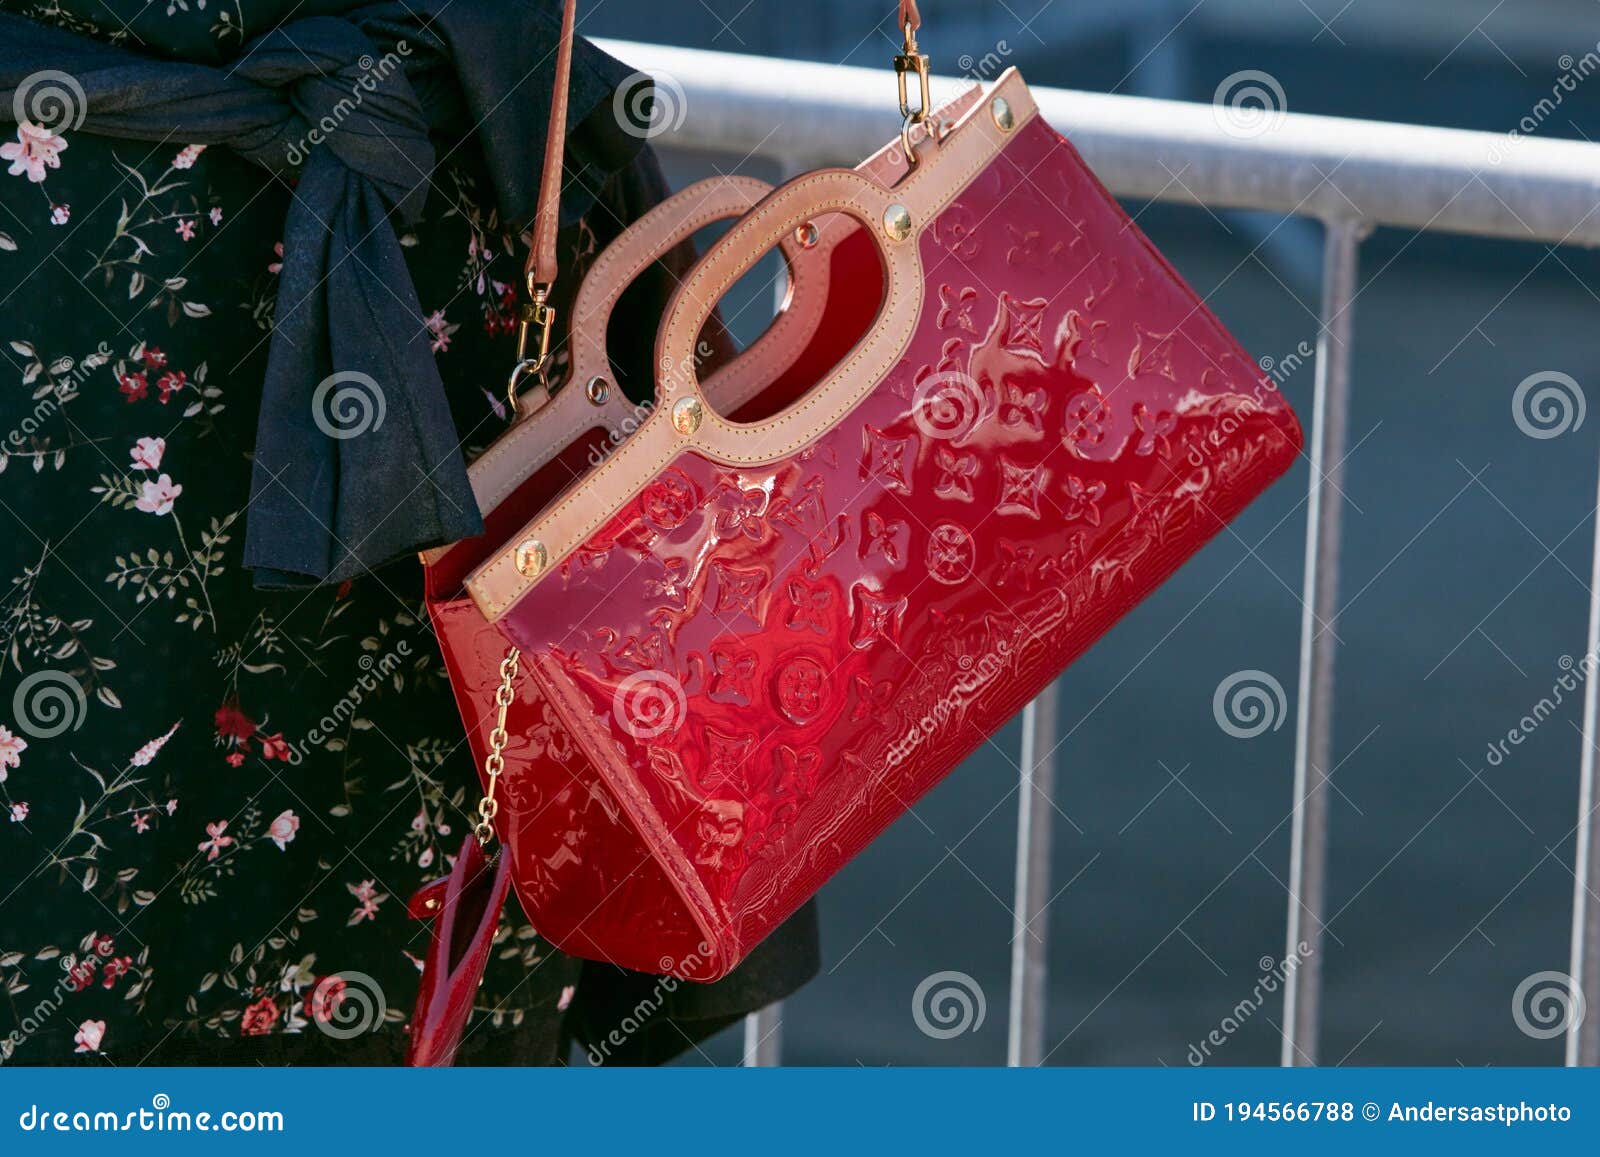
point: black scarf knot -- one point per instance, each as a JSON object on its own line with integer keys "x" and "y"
{"x": 357, "y": 460}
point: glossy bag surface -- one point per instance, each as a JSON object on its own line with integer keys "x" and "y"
{"x": 749, "y": 646}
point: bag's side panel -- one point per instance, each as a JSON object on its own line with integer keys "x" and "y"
{"x": 776, "y": 661}
{"x": 579, "y": 869}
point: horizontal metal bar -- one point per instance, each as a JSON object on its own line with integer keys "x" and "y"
{"x": 1377, "y": 173}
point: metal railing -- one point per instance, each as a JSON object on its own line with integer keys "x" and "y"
{"x": 1350, "y": 175}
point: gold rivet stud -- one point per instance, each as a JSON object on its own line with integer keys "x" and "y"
{"x": 897, "y": 222}
{"x": 686, "y": 415}
{"x": 1000, "y": 108}
{"x": 597, "y": 391}
{"x": 532, "y": 557}
{"x": 806, "y": 236}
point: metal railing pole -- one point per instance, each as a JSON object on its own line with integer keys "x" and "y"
{"x": 1030, "y": 919}
{"x": 1313, "y": 742}
{"x": 1583, "y": 1036}
{"x": 763, "y": 1038}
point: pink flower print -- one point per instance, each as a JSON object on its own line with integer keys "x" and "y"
{"x": 172, "y": 804}
{"x": 133, "y": 386}
{"x": 146, "y": 452}
{"x": 187, "y": 156}
{"x": 115, "y": 969}
{"x": 153, "y": 358}
{"x": 213, "y": 846}
{"x": 439, "y": 330}
{"x": 259, "y": 1018}
{"x": 19, "y": 812}
{"x": 236, "y": 759}
{"x": 35, "y": 150}
{"x": 103, "y": 945}
{"x": 274, "y": 747}
{"x": 369, "y": 897}
{"x": 60, "y": 214}
{"x": 419, "y": 821}
{"x": 157, "y": 497}
{"x": 282, "y": 829}
{"x": 89, "y": 1035}
{"x": 80, "y": 976}
{"x": 11, "y": 749}
{"x": 145, "y": 754}
{"x": 141, "y": 822}
{"x": 184, "y": 228}
{"x": 215, "y": 215}
{"x": 564, "y": 1001}
{"x": 170, "y": 383}
{"x": 426, "y": 859}
{"x": 276, "y": 266}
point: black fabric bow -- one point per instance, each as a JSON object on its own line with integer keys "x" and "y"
{"x": 357, "y": 461}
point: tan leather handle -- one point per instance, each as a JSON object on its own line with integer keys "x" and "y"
{"x": 910, "y": 15}
{"x": 650, "y": 238}
{"x": 739, "y": 249}
{"x": 541, "y": 265}
{"x": 966, "y": 149}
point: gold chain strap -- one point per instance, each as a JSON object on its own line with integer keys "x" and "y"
{"x": 494, "y": 763}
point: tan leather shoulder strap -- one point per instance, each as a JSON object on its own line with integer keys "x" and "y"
{"x": 541, "y": 267}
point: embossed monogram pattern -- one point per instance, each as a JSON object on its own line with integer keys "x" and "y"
{"x": 846, "y": 623}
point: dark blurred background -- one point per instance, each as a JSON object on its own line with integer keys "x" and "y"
{"x": 1464, "y": 583}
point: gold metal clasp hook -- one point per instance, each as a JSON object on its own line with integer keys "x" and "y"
{"x": 535, "y": 313}
{"x": 910, "y": 60}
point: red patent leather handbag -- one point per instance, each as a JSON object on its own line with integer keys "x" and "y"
{"x": 743, "y": 644}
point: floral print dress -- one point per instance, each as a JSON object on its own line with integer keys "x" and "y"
{"x": 215, "y": 800}
{"x": 213, "y": 797}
